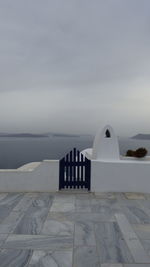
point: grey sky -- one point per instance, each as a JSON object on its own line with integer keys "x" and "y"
{"x": 73, "y": 65}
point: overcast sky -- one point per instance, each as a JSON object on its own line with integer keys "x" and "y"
{"x": 74, "y": 65}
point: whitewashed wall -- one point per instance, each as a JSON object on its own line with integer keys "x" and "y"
{"x": 45, "y": 177}
{"x": 106, "y": 176}
{"x": 105, "y": 148}
{"x": 120, "y": 176}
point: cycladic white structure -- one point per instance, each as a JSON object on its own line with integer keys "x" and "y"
{"x": 110, "y": 172}
{"x": 106, "y": 146}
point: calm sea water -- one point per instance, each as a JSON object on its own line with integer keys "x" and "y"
{"x": 14, "y": 152}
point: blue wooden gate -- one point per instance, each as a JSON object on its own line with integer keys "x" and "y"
{"x": 74, "y": 171}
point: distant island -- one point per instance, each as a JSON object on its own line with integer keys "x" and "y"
{"x": 142, "y": 136}
{"x": 30, "y": 135}
{"x": 22, "y": 135}
{"x": 65, "y": 135}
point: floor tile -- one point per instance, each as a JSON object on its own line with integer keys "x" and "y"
{"x": 3, "y": 237}
{"x": 74, "y": 229}
{"x": 51, "y": 259}
{"x": 142, "y": 230}
{"x": 11, "y": 199}
{"x": 59, "y": 228}
{"x": 84, "y": 234}
{"x": 15, "y": 258}
{"x": 112, "y": 265}
{"x": 32, "y": 221}
{"x": 86, "y": 256}
{"x": 41, "y": 242}
{"x": 10, "y": 223}
{"x": 132, "y": 241}
{"x": 134, "y": 196}
{"x": 62, "y": 207}
{"x": 111, "y": 245}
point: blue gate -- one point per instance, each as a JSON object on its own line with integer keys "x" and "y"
{"x": 74, "y": 171}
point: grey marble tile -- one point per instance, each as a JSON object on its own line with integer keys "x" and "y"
{"x": 142, "y": 230}
{"x": 82, "y": 201}
{"x": 111, "y": 245}
{"x": 60, "y": 216}
{"x": 63, "y": 203}
{"x": 41, "y": 242}
{"x": 59, "y": 228}
{"x": 120, "y": 196}
{"x": 32, "y": 194}
{"x": 43, "y": 200}
{"x": 138, "y": 212}
{"x": 66, "y": 198}
{"x": 145, "y": 205}
{"x": 32, "y": 221}
{"x": 86, "y": 256}
{"x": 146, "y": 245}
{"x": 62, "y": 207}
{"x": 4, "y": 212}
{"x": 132, "y": 241}
{"x": 9, "y": 224}
{"x": 15, "y": 258}
{"x": 134, "y": 196}
{"x": 82, "y": 205}
{"x": 105, "y": 207}
{"x": 134, "y": 212}
{"x": 23, "y": 204}
{"x": 81, "y": 216}
{"x": 11, "y": 199}
{"x": 112, "y": 265}
{"x": 132, "y": 218}
{"x": 147, "y": 196}
{"x": 84, "y": 234}
{"x": 137, "y": 265}
{"x": 84, "y": 196}
{"x": 105, "y": 195}
{"x": 2, "y": 196}
{"x": 3, "y": 237}
{"x": 51, "y": 259}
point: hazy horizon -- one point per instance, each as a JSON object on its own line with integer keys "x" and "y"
{"x": 74, "y": 66}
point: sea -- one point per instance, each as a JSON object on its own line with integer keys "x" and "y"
{"x": 17, "y": 151}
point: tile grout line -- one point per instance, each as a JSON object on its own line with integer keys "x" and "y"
{"x": 95, "y": 234}
{"x": 96, "y": 245}
{"x": 46, "y": 217}
{"x": 73, "y": 250}
{"x": 136, "y": 249}
{"x": 9, "y": 212}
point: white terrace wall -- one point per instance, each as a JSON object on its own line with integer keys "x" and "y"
{"x": 106, "y": 176}
{"x": 43, "y": 178}
{"x": 120, "y": 176}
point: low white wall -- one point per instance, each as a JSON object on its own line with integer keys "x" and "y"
{"x": 44, "y": 178}
{"x": 120, "y": 176}
{"x": 117, "y": 176}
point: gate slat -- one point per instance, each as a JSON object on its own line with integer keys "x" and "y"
{"x": 67, "y": 176}
{"x": 82, "y": 170}
{"x": 71, "y": 169}
{"x": 78, "y": 168}
{"x": 74, "y": 167}
{"x": 74, "y": 171}
{"x": 88, "y": 173}
{"x": 61, "y": 174}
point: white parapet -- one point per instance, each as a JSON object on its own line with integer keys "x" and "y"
{"x": 43, "y": 177}
{"x": 120, "y": 176}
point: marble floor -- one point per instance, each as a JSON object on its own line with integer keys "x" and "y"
{"x": 74, "y": 229}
